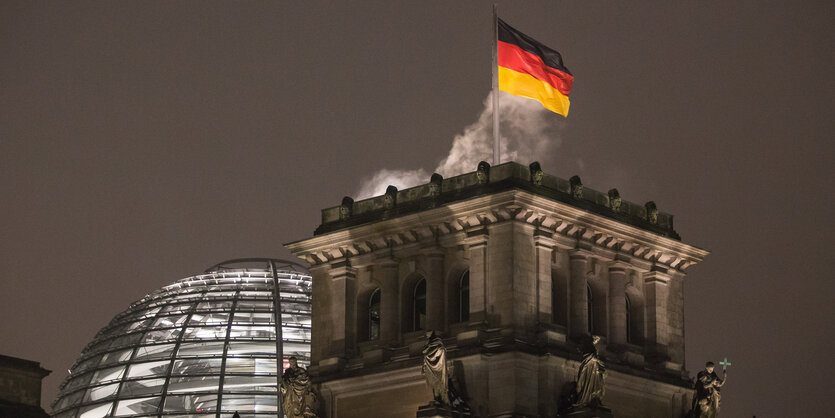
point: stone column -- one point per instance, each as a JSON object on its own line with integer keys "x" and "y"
{"x": 321, "y": 321}
{"x": 435, "y": 301}
{"x": 544, "y": 246}
{"x": 477, "y": 241}
{"x": 578, "y": 323}
{"x": 389, "y": 297}
{"x": 656, "y": 290}
{"x": 617, "y": 303}
{"x": 675, "y": 318}
{"x": 343, "y": 309}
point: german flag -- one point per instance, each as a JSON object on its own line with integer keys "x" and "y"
{"x": 530, "y": 69}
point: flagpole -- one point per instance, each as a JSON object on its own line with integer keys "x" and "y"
{"x": 496, "y": 138}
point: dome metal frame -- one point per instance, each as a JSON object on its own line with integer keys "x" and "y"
{"x": 206, "y": 345}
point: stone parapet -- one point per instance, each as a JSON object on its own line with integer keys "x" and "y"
{"x": 509, "y": 175}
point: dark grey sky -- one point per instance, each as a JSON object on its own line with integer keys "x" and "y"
{"x": 143, "y": 142}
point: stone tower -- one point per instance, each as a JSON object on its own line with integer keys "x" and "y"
{"x": 514, "y": 268}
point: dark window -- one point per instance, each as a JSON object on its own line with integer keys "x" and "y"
{"x": 559, "y": 298}
{"x": 590, "y": 309}
{"x": 374, "y": 315}
{"x": 419, "y": 312}
{"x": 464, "y": 297}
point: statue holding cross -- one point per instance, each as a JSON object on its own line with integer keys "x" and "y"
{"x": 706, "y": 400}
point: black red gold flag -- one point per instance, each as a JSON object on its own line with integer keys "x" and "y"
{"x": 530, "y": 69}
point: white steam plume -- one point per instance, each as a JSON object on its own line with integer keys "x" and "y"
{"x": 529, "y": 133}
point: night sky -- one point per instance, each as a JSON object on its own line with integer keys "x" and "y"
{"x": 143, "y": 142}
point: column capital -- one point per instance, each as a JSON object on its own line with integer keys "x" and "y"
{"x": 656, "y": 277}
{"x": 433, "y": 252}
{"x": 579, "y": 254}
{"x": 477, "y": 236}
{"x": 543, "y": 239}
{"x": 386, "y": 260}
{"x": 342, "y": 269}
{"x": 619, "y": 266}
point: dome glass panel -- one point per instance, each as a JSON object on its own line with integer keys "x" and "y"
{"x": 203, "y": 346}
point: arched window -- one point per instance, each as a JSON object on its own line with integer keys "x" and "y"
{"x": 590, "y": 309}
{"x": 419, "y": 306}
{"x": 464, "y": 297}
{"x": 628, "y": 320}
{"x": 374, "y": 315}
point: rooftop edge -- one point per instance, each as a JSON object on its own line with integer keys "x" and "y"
{"x": 486, "y": 180}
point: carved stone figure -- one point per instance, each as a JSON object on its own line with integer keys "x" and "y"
{"x": 536, "y": 173}
{"x": 652, "y": 212}
{"x": 706, "y": 399}
{"x": 576, "y": 187}
{"x": 591, "y": 377}
{"x": 614, "y": 200}
{"x": 483, "y": 172}
{"x": 346, "y": 208}
{"x": 390, "y": 197}
{"x": 298, "y": 398}
{"x": 447, "y": 393}
{"x": 435, "y": 368}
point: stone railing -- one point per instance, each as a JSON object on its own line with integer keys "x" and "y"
{"x": 485, "y": 180}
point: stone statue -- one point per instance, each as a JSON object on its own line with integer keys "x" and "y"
{"x": 652, "y": 212}
{"x": 576, "y": 187}
{"x": 483, "y": 172}
{"x": 346, "y": 209}
{"x": 298, "y": 398}
{"x": 614, "y": 200}
{"x": 390, "y": 198}
{"x": 591, "y": 377}
{"x": 536, "y": 173}
{"x": 706, "y": 399}
{"x": 435, "y": 184}
{"x": 435, "y": 368}
{"x": 447, "y": 391}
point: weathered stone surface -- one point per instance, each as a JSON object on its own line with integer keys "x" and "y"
{"x": 588, "y": 412}
{"x": 434, "y": 410}
{"x": 534, "y": 254}
{"x": 20, "y": 388}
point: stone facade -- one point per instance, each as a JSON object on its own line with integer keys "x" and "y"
{"x": 539, "y": 262}
{"x": 20, "y": 388}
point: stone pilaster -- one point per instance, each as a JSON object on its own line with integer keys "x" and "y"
{"x": 578, "y": 313}
{"x": 343, "y": 310}
{"x": 617, "y": 303}
{"x": 477, "y": 241}
{"x": 675, "y": 319}
{"x": 544, "y": 246}
{"x": 322, "y": 316}
{"x": 389, "y": 297}
{"x": 435, "y": 305}
{"x": 656, "y": 291}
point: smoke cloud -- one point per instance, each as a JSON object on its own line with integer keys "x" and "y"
{"x": 529, "y": 133}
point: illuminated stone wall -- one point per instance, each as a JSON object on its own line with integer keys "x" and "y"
{"x": 547, "y": 262}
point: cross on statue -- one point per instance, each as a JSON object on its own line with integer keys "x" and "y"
{"x": 725, "y": 363}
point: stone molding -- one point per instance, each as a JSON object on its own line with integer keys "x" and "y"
{"x": 464, "y": 221}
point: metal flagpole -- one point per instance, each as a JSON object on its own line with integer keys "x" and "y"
{"x": 279, "y": 337}
{"x": 496, "y": 138}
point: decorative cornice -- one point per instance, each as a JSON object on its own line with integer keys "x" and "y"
{"x": 468, "y": 220}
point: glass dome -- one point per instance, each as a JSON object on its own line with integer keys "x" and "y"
{"x": 205, "y": 345}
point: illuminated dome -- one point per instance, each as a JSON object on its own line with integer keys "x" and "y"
{"x": 203, "y": 345}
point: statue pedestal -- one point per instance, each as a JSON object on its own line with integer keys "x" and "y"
{"x": 434, "y": 409}
{"x": 589, "y": 412}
